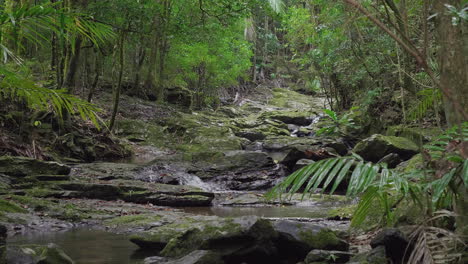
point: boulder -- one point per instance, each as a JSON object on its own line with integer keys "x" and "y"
{"x": 327, "y": 256}
{"x": 37, "y": 254}
{"x": 378, "y": 146}
{"x": 298, "y": 239}
{"x": 22, "y": 166}
{"x": 395, "y": 243}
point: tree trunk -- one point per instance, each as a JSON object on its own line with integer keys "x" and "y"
{"x": 453, "y": 60}
{"x": 119, "y": 82}
{"x": 97, "y": 70}
{"x": 72, "y": 68}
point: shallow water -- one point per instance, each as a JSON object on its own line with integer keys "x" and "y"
{"x": 274, "y": 211}
{"x": 87, "y": 246}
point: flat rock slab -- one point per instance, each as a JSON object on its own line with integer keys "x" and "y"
{"x": 22, "y": 166}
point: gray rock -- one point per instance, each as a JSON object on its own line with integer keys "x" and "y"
{"x": 327, "y": 256}
{"x": 22, "y": 166}
{"x": 157, "y": 194}
{"x": 395, "y": 243}
{"x": 378, "y": 146}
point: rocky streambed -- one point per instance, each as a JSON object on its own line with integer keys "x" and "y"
{"x": 192, "y": 192}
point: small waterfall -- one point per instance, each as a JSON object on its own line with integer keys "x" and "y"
{"x": 193, "y": 180}
{"x": 167, "y": 174}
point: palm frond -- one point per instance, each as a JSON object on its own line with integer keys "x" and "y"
{"x": 276, "y": 5}
{"x": 430, "y": 97}
{"x": 15, "y": 87}
{"x": 433, "y": 245}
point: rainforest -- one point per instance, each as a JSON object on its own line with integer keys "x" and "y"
{"x": 233, "y": 131}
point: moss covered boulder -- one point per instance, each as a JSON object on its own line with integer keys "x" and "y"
{"x": 378, "y": 146}
{"x": 37, "y": 254}
{"x": 22, "y": 166}
{"x": 301, "y": 238}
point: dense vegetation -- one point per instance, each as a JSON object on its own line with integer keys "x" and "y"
{"x": 381, "y": 65}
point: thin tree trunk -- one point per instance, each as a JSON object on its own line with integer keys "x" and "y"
{"x": 119, "y": 82}
{"x": 73, "y": 64}
{"x": 97, "y": 70}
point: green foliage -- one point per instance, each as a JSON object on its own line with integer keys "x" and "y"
{"x": 338, "y": 125}
{"x": 374, "y": 182}
{"x": 14, "y": 86}
{"x": 430, "y": 99}
{"x": 33, "y": 23}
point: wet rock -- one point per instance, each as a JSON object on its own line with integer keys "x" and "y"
{"x": 375, "y": 256}
{"x": 395, "y": 243}
{"x": 234, "y": 162}
{"x": 22, "y": 166}
{"x": 378, "y": 146}
{"x": 327, "y": 256}
{"x": 155, "y": 260}
{"x": 37, "y": 254}
{"x": 302, "y": 163}
{"x": 157, "y": 194}
{"x": 199, "y": 257}
{"x": 245, "y": 239}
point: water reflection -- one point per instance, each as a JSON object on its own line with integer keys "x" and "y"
{"x": 275, "y": 211}
{"x": 86, "y": 246}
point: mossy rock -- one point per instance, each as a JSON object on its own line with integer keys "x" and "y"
{"x": 323, "y": 239}
{"x": 143, "y": 132}
{"x": 295, "y": 117}
{"x": 290, "y": 99}
{"x": 416, "y": 134}
{"x": 22, "y": 166}
{"x": 50, "y": 254}
{"x": 378, "y": 146}
{"x": 304, "y": 237}
{"x": 133, "y": 220}
{"x": 415, "y": 163}
{"x": 10, "y": 207}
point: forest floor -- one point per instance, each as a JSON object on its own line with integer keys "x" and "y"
{"x": 188, "y": 169}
